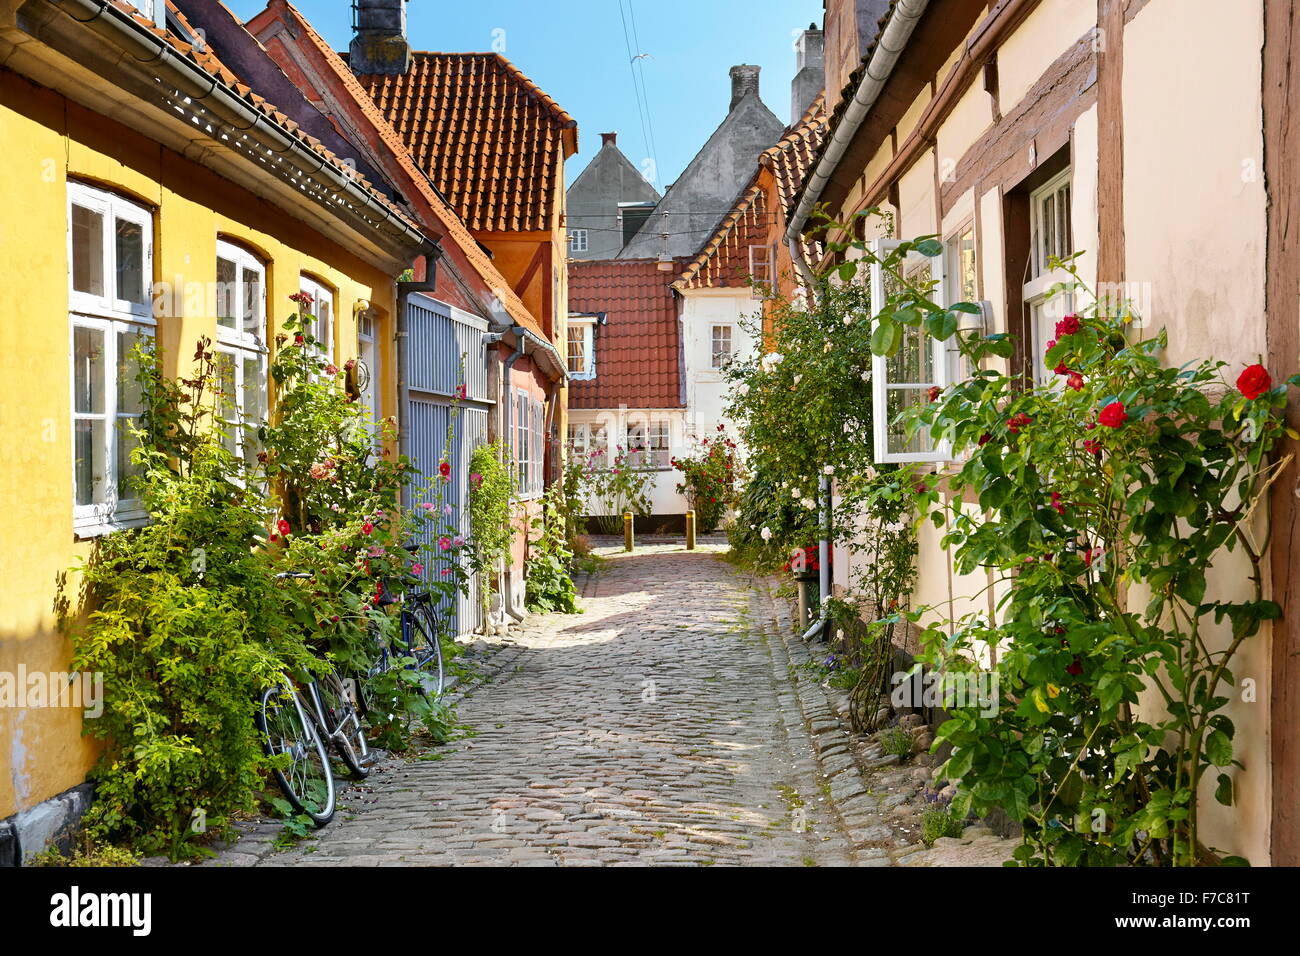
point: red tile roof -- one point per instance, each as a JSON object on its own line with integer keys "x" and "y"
{"x": 454, "y": 228}
{"x": 490, "y": 139}
{"x": 792, "y": 157}
{"x": 638, "y": 349}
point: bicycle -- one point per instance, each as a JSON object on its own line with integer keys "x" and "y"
{"x": 298, "y": 720}
{"x": 419, "y": 638}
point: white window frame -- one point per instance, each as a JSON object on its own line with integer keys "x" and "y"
{"x": 529, "y": 444}
{"x": 1042, "y": 312}
{"x": 880, "y": 383}
{"x": 586, "y": 437}
{"x": 762, "y": 264}
{"x": 109, "y": 316}
{"x": 578, "y": 240}
{"x": 718, "y": 360}
{"x": 246, "y": 445}
{"x": 243, "y": 261}
{"x": 323, "y": 328}
{"x": 369, "y": 341}
{"x": 587, "y": 330}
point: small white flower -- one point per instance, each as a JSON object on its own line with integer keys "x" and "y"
{"x": 766, "y": 534}
{"x": 785, "y": 484}
{"x": 866, "y": 375}
{"x": 742, "y": 388}
{"x": 809, "y": 504}
{"x": 797, "y": 378}
{"x": 848, "y": 320}
{"x": 828, "y": 470}
{"x": 827, "y": 346}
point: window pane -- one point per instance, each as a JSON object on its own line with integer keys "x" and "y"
{"x": 966, "y": 264}
{"x": 88, "y": 370}
{"x": 324, "y": 319}
{"x": 913, "y": 363}
{"x": 130, "y": 261}
{"x": 87, "y": 250}
{"x": 88, "y": 465}
{"x": 254, "y": 413}
{"x": 897, "y": 400}
{"x": 227, "y": 410}
{"x": 128, "y": 388}
{"x": 126, "y": 443}
{"x": 1063, "y": 231}
{"x": 226, "y": 293}
{"x": 253, "y": 302}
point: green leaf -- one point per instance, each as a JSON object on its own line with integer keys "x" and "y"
{"x": 886, "y": 337}
{"x": 1223, "y": 792}
{"x": 1218, "y": 749}
{"x": 929, "y": 247}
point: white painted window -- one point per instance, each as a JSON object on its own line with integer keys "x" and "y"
{"x": 582, "y": 353}
{"x": 530, "y": 444}
{"x": 962, "y": 267}
{"x": 903, "y": 380}
{"x": 719, "y": 346}
{"x": 577, "y": 240}
{"x": 589, "y": 439}
{"x": 1050, "y": 236}
{"x": 241, "y": 297}
{"x": 368, "y": 363}
{"x": 647, "y": 444}
{"x": 241, "y": 348}
{"x": 322, "y": 310}
{"x": 110, "y": 279}
{"x": 762, "y": 264}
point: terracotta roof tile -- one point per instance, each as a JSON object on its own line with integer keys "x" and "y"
{"x": 637, "y": 349}
{"x": 490, "y": 139}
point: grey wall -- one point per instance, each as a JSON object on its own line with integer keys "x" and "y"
{"x": 592, "y": 201}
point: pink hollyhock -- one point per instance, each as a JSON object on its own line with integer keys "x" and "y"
{"x": 444, "y": 543}
{"x": 367, "y": 528}
{"x": 283, "y": 527}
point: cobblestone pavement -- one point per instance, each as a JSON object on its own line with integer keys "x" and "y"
{"x": 660, "y": 727}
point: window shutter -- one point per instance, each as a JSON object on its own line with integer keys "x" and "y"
{"x": 904, "y": 379}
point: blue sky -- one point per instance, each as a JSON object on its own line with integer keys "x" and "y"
{"x": 576, "y": 51}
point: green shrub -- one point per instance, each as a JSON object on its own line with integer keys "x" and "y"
{"x": 549, "y": 586}
{"x": 939, "y": 822}
{"x": 896, "y": 740}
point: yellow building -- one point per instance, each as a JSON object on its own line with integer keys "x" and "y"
{"x": 148, "y": 191}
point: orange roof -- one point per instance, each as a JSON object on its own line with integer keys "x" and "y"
{"x": 793, "y": 155}
{"x": 203, "y": 57}
{"x": 455, "y": 229}
{"x": 637, "y": 347}
{"x": 489, "y": 138}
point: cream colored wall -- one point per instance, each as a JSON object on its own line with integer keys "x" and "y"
{"x": 1045, "y": 34}
{"x": 916, "y": 199}
{"x": 970, "y": 117}
{"x": 1194, "y": 223}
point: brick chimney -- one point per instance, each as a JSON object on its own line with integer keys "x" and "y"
{"x": 810, "y": 71}
{"x": 744, "y": 80}
{"x": 380, "y": 44}
{"x": 609, "y": 139}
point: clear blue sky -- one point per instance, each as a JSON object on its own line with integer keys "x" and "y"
{"x": 576, "y": 51}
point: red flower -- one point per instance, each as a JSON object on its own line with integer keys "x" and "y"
{"x": 1092, "y": 445}
{"x": 1076, "y": 668}
{"x": 1068, "y": 325}
{"x": 1113, "y": 415}
{"x": 367, "y": 528}
{"x": 1061, "y": 369}
{"x": 283, "y": 527}
{"x": 1075, "y": 381}
{"x": 1050, "y": 345}
{"x": 1254, "y": 381}
{"x": 1017, "y": 422}
{"x": 985, "y": 438}
{"x": 921, "y": 488}
{"x": 934, "y": 392}
{"x": 462, "y": 391}
{"x": 298, "y": 340}
{"x": 274, "y": 537}
{"x": 1056, "y": 503}
{"x": 444, "y": 469}
{"x": 720, "y": 427}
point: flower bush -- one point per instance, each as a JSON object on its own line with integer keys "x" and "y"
{"x": 1105, "y": 504}
{"x": 491, "y": 491}
{"x": 710, "y": 475}
{"x": 615, "y": 489}
{"x": 549, "y": 585}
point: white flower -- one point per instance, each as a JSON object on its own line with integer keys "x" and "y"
{"x": 809, "y": 504}
{"x": 771, "y": 360}
{"x": 785, "y": 484}
{"x": 827, "y": 346}
{"x": 797, "y": 377}
{"x": 848, "y": 320}
{"x": 828, "y": 470}
{"x": 866, "y": 375}
{"x": 766, "y": 534}
{"x": 742, "y": 389}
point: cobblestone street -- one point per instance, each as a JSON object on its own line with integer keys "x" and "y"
{"x": 658, "y": 727}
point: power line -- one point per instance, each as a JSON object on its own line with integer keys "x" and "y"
{"x": 649, "y": 117}
{"x": 641, "y": 108}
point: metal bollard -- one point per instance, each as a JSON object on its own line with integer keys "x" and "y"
{"x": 627, "y": 531}
{"x": 802, "y": 586}
{"x": 690, "y": 531}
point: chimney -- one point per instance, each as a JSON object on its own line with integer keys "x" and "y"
{"x": 380, "y": 44}
{"x": 744, "y": 80}
{"x": 810, "y": 71}
{"x": 609, "y": 139}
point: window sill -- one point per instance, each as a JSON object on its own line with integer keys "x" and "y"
{"x": 88, "y": 528}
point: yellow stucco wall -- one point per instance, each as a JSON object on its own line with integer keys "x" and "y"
{"x": 47, "y": 141}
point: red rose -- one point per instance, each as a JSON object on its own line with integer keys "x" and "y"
{"x": 934, "y": 392}
{"x": 1254, "y": 381}
{"x": 1068, "y": 325}
{"x": 444, "y": 469}
{"x": 1092, "y": 445}
{"x": 298, "y": 340}
{"x": 1113, "y": 415}
{"x": 1075, "y": 381}
{"x": 1075, "y": 668}
{"x": 284, "y": 528}
{"x": 985, "y": 438}
{"x": 1056, "y": 503}
{"x": 1017, "y": 422}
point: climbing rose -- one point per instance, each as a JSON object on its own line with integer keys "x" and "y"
{"x": 1056, "y": 503}
{"x": 766, "y": 534}
{"x": 1092, "y": 445}
{"x": 284, "y": 528}
{"x": 933, "y": 392}
{"x": 1068, "y": 325}
{"x": 1075, "y": 381}
{"x": 1017, "y": 422}
{"x": 331, "y": 369}
{"x": 1254, "y": 381}
{"x": 1113, "y": 415}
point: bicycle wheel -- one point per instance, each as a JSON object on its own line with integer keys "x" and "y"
{"x": 426, "y": 648}
{"x": 343, "y": 722}
{"x": 308, "y": 780}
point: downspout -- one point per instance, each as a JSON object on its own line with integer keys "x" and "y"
{"x": 892, "y": 40}
{"x": 506, "y": 366}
